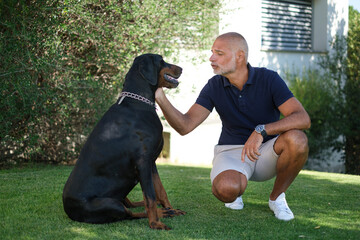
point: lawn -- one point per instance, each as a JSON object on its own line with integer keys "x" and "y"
{"x": 326, "y": 206}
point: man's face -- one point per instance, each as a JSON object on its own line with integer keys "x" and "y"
{"x": 222, "y": 58}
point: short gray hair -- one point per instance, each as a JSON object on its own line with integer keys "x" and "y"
{"x": 238, "y": 40}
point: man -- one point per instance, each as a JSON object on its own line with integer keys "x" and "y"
{"x": 254, "y": 144}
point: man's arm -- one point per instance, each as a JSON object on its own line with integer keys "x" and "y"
{"x": 182, "y": 123}
{"x": 295, "y": 117}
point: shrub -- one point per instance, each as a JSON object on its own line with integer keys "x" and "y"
{"x": 62, "y": 63}
{"x": 316, "y": 93}
{"x": 331, "y": 96}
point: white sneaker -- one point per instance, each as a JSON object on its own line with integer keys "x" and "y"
{"x": 236, "y": 205}
{"x": 280, "y": 208}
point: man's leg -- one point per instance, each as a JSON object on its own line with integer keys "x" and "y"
{"x": 229, "y": 174}
{"x": 229, "y": 185}
{"x": 292, "y": 148}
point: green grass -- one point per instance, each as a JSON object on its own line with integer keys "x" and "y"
{"x": 326, "y": 206}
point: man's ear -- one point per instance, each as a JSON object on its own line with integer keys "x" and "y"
{"x": 148, "y": 70}
{"x": 240, "y": 56}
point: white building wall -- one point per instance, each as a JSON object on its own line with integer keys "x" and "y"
{"x": 244, "y": 16}
{"x": 195, "y": 148}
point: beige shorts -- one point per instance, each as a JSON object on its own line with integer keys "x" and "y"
{"x": 228, "y": 157}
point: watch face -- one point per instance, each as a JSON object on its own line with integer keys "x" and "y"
{"x": 259, "y": 128}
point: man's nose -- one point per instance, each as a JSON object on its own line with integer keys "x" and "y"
{"x": 212, "y": 58}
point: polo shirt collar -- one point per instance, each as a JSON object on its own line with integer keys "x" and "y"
{"x": 250, "y": 80}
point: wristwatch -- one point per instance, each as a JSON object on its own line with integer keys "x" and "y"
{"x": 261, "y": 129}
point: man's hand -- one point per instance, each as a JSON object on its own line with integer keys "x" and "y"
{"x": 251, "y": 147}
{"x": 159, "y": 95}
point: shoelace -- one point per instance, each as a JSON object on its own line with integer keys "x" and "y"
{"x": 282, "y": 206}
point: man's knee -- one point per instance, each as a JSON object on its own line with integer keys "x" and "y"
{"x": 296, "y": 141}
{"x": 225, "y": 193}
{"x": 228, "y": 185}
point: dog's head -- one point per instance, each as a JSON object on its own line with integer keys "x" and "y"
{"x": 157, "y": 72}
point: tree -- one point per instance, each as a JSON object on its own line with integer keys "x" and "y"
{"x": 62, "y": 63}
{"x": 352, "y": 93}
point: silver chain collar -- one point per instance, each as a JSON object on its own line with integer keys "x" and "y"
{"x": 137, "y": 97}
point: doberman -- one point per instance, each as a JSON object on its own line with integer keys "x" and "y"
{"x": 121, "y": 151}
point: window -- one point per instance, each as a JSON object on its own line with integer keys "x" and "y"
{"x": 286, "y": 25}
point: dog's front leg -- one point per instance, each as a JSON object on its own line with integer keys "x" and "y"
{"x": 130, "y": 204}
{"x": 147, "y": 187}
{"x": 161, "y": 195}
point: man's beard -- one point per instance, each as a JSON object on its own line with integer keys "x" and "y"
{"x": 227, "y": 69}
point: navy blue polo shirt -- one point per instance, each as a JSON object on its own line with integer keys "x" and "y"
{"x": 242, "y": 111}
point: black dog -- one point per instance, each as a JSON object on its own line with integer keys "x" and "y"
{"x": 121, "y": 151}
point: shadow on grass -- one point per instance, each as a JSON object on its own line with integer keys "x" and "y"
{"x": 326, "y": 206}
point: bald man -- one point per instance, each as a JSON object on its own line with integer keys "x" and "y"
{"x": 255, "y": 144}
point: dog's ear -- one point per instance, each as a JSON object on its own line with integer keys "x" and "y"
{"x": 149, "y": 67}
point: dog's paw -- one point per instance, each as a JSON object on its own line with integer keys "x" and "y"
{"x": 159, "y": 226}
{"x": 170, "y": 212}
{"x": 165, "y": 212}
{"x": 179, "y": 212}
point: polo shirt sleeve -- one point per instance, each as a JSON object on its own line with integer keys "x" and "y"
{"x": 280, "y": 91}
{"x": 204, "y": 99}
